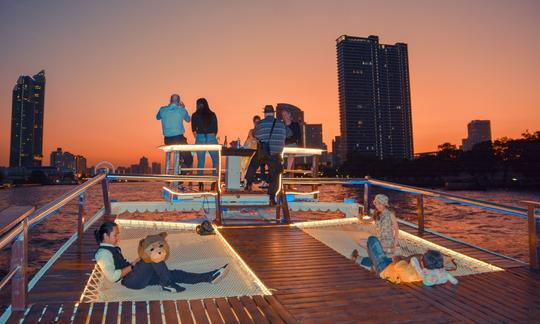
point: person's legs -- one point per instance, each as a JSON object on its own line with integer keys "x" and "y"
{"x": 290, "y": 162}
{"x": 262, "y": 170}
{"x": 186, "y": 156}
{"x": 376, "y": 254}
{"x": 180, "y": 276}
{"x": 211, "y": 139}
{"x": 200, "y": 139}
{"x": 252, "y": 168}
{"x": 274, "y": 170}
{"x": 141, "y": 276}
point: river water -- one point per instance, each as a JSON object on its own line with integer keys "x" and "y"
{"x": 498, "y": 232}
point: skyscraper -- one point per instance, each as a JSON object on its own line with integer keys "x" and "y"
{"x": 144, "y": 167}
{"x": 56, "y": 158}
{"x": 374, "y": 98}
{"x": 478, "y": 131}
{"x": 313, "y": 136}
{"x": 156, "y": 168}
{"x": 26, "y": 149}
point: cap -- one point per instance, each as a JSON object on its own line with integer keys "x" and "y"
{"x": 268, "y": 109}
{"x": 383, "y": 199}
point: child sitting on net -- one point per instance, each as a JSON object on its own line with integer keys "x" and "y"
{"x": 399, "y": 270}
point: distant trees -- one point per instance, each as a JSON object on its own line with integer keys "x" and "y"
{"x": 503, "y": 161}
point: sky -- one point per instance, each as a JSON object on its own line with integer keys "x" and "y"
{"x": 110, "y": 65}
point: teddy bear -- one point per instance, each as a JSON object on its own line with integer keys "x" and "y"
{"x": 154, "y": 248}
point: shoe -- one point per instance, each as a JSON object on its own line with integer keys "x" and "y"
{"x": 354, "y": 255}
{"x": 173, "y": 288}
{"x": 219, "y": 274}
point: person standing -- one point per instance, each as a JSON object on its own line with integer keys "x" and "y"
{"x": 250, "y": 143}
{"x": 172, "y": 119}
{"x": 204, "y": 125}
{"x": 294, "y": 136}
{"x": 271, "y": 134}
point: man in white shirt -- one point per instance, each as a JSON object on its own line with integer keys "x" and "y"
{"x": 139, "y": 274}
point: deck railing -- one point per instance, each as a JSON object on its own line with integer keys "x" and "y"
{"x": 23, "y": 223}
{"x": 19, "y": 235}
{"x": 531, "y": 212}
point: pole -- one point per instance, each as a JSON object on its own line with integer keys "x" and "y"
{"x": 420, "y": 213}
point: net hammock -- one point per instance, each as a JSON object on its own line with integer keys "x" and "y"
{"x": 189, "y": 252}
{"x": 343, "y": 236}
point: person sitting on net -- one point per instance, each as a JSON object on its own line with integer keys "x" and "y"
{"x": 139, "y": 274}
{"x": 402, "y": 270}
{"x": 386, "y": 227}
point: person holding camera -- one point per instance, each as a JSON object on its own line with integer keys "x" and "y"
{"x": 270, "y": 134}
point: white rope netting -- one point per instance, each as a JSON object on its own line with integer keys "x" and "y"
{"x": 344, "y": 237}
{"x": 189, "y": 252}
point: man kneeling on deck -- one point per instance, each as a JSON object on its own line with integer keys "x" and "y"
{"x": 140, "y": 274}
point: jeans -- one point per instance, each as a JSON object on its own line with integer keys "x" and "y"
{"x": 186, "y": 156}
{"x": 206, "y": 139}
{"x": 275, "y": 167}
{"x": 376, "y": 253}
{"x": 148, "y": 274}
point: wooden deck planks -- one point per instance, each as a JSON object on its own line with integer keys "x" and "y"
{"x": 256, "y": 309}
{"x": 313, "y": 284}
{"x": 324, "y": 286}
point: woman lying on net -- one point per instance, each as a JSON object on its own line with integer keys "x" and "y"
{"x": 398, "y": 270}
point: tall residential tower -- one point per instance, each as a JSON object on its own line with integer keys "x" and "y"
{"x": 26, "y": 149}
{"x": 374, "y": 98}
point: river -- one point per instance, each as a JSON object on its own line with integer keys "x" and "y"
{"x": 501, "y": 233}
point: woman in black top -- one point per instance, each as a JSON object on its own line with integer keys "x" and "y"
{"x": 294, "y": 136}
{"x": 205, "y": 127}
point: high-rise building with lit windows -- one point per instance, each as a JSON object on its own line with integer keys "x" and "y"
{"x": 374, "y": 98}
{"x": 26, "y": 149}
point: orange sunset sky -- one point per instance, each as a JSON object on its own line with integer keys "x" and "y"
{"x": 111, "y": 64}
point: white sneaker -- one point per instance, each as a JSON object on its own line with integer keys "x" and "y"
{"x": 219, "y": 274}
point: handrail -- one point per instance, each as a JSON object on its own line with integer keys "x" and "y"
{"x": 166, "y": 178}
{"x": 8, "y": 277}
{"x": 19, "y": 235}
{"x": 54, "y": 205}
{"x": 516, "y": 211}
{"x": 522, "y": 212}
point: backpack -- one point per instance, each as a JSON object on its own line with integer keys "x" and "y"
{"x": 205, "y": 228}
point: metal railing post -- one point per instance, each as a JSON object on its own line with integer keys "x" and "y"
{"x": 534, "y": 245}
{"x": 106, "y": 200}
{"x": 420, "y": 213}
{"x": 366, "y": 195}
{"x": 19, "y": 260}
{"x": 80, "y": 219}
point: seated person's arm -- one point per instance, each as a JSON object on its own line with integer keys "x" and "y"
{"x": 452, "y": 279}
{"x": 417, "y": 267}
{"x": 105, "y": 261}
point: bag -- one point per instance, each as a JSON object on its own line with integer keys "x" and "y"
{"x": 263, "y": 148}
{"x": 205, "y": 228}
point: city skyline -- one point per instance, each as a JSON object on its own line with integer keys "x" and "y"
{"x": 104, "y": 86}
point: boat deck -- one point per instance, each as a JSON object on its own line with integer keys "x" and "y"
{"x": 310, "y": 282}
